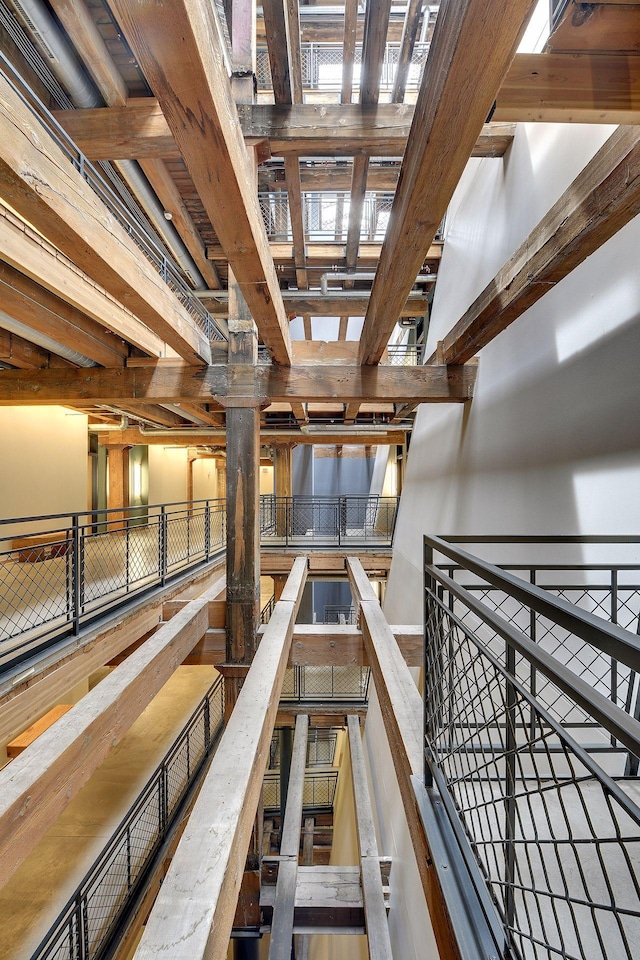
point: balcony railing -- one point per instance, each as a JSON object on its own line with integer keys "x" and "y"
{"x": 321, "y": 748}
{"x": 348, "y": 684}
{"x": 92, "y": 917}
{"x": 325, "y": 216}
{"x": 531, "y": 732}
{"x": 355, "y": 521}
{"x": 318, "y": 792}
{"x": 59, "y": 573}
{"x": 322, "y": 66}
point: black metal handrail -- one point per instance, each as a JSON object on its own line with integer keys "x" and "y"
{"x": 554, "y": 834}
{"x": 318, "y": 792}
{"x": 90, "y": 562}
{"x": 346, "y": 520}
{"x": 89, "y": 921}
{"x": 344, "y": 684}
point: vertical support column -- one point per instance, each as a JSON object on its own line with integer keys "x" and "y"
{"x": 283, "y": 486}
{"x": 243, "y": 493}
{"x": 118, "y": 486}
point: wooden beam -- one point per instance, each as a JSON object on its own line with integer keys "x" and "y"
{"x": 349, "y": 49}
{"x": 85, "y": 36}
{"x": 402, "y": 712}
{"x": 24, "y": 355}
{"x": 308, "y": 332}
{"x": 179, "y": 437}
{"x": 193, "y": 914}
{"x": 30, "y": 254}
{"x": 37, "y": 308}
{"x": 276, "y": 383}
{"x": 40, "y": 182}
{"x": 410, "y": 28}
{"x": 186, "y": 71}
{"x": 464, "y": 56}
{"x": 340, "y": 303}
{"x": 318, "y": 255}
{"x": 140, "y": 130}
{"x": 38, "y": 785}
{"x": 283, "y": 909}
{"x": 342, "y": 331}
{"x": 375, "y": 910}
{"x": 601, "y": 200}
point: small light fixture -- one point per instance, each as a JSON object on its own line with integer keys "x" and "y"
{"x": 168, "y": 215}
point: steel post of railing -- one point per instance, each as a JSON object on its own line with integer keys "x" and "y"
{"x": 207, "y": 530}
{"x": 163, "y": 544}
{"x": 510, "y": 789}
{"x": 76, "y": 574}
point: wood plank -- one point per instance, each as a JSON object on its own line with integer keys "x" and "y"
{"x": 601, "y": 200}
{"x": 38, "y": 260}
{"x": 375, "y": 911}
{"x": 571, "y": 88}
{"x": 402, "y": 712}
{"x": 328, "y": 899}
{"x": 283, "y": 910}
{"x": 605, "y": 27}
{"x": 187, "y": 73}
{"x": 339, "y": 383}
{"x": 40, "y": 182}
{"x": 140, "y": 130}
{"x": 21, "y": 702}
{"x": 37, "y": 786}
{"x": 193, "y": 914}
{"x": 43, "y": 312}
{"x": 28, "y": 736}
{"x": 464, "y": 56}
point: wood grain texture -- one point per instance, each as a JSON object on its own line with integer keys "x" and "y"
{"x": 41, "y": 184}
{"x": 194, "y": 912}
{"x": 601, "y": 200}
{"x": 182, "y": 58}
{"x": 473, "y": 45}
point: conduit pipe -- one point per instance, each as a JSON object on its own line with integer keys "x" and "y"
{"x": 42, "y": 340}
{"x": 108, "y": 427}
{"x": 64, "y": 63}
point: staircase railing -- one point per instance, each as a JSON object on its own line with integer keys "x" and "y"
{"x": 92, "y": 917}
{"x": 529, "y": 745}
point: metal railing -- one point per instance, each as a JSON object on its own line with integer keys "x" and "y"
{"x": 357, "y": 521}
{"x": 322, "y": 66}
{"x": 545, "y": 824}
{"x": 267, "y": 610}
{"x": 318, "y": 792}
{"x": 146, "y": 242}
{"x": 321, "y": 748}
{"x": 60, "y": 572}
{"x": 341, "y": 613}
{"x": 404, "y": 355}
{"x": 348, "y": 684}
{"x": 325, "y": 215}
{"x": 91, "y": 918}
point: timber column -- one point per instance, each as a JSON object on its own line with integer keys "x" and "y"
{"x": 118, "y": 485}
{"x": 283, "y": 487}
{"x": 243, "y": 494}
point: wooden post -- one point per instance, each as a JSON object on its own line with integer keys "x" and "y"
{"x": 243, "y": 498}
{"x": 282, "y": 485}
{"x": 118, "y": 486}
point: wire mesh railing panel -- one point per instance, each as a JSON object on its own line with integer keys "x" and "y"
{"x": 318, "y": 791}
{"x": 55, "y": 578}
{"x": 88, "y": 921}
{"x": 330, "y": 521}
{"x": 348, "y": 683}
{"x": 325, "y": 216}
{"x": 557, "y": 839}
{"x": 321, "y": 748}
{"x": 404, "y": 354}
{"x": 322, "y": 66}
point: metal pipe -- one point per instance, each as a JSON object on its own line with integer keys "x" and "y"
{"x": 108, "y": 427}
{"x": 320, "y": 431}
{"x": 44, "y": 341}
{"x": 64, "y": 63}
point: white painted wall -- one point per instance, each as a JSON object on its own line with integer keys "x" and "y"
{"x": 205, "y": 479}
{"x": 44, "y": 466}
{"x": 551, "y": 440}
{"x": 167, "y": 474}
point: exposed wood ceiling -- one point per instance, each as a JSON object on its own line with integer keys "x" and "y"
{"x": 76, "y": 286}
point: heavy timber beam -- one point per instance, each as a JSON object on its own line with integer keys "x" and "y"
{"x": 317, "y": 646}
{"x": 27, "y": 252}
{"x": 37, "y": 786}
{"x": 140, "y": 131}
{"x": 194, "y": 912}
{"x": 402, "y": 711}
{"x": 340, "y": 435}
{"x": 473, "y": 44}
{"x": 173, "y": 384}
{"x": 40, "y": 182}
{"x": 185, "y": 67}
{"x": 600, "y": 201}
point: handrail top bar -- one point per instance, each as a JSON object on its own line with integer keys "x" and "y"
{"x": 540, "y": 538}
{"x": 560, "y": 567}
{"x": 609, "y": 715}
{"x": 102, "y": 511}
{"x": 607, "y": 637}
